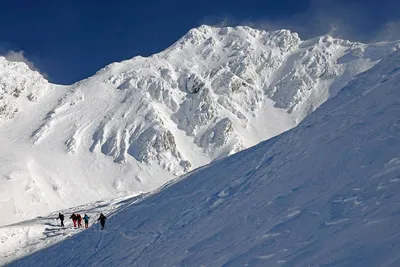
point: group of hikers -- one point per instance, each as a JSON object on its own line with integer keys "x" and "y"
{"x": 77, "y": 220}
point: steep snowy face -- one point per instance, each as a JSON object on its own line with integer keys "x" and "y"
{"x": 18, "y": 84}
{"x": 137, "y": 124}
{"x": 325, "y": 193}
{"x": 214, "y": 85}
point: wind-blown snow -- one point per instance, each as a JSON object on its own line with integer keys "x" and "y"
{"x": 137, "y": 124}
{"x": 325, "y": 193}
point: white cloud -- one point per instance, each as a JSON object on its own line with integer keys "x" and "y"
{"x": 390, "y": 31}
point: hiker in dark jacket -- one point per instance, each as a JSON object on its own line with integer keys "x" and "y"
{"x": 102, "y": 220}
{"x": 61, "y": 217}
{"x": 86, "y": 219}
{"x": 74, "y": 218}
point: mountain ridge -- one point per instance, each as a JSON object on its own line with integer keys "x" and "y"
{"x": 325, "y": 193}
{"x": 213, "y": 93}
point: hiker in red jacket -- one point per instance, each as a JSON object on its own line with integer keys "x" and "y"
{"x": 74, "y": 218}
{"x": 79, "y": 219}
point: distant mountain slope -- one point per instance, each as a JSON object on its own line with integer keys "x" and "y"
{"x": 323, "y": 194}
{"x": 137, "y": 124}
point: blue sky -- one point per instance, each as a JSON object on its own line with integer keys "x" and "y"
{"x": 71, "y": 40}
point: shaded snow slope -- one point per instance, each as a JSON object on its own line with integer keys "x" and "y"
{"x": 323, "y": 194}
{"x": 137, "y": 124}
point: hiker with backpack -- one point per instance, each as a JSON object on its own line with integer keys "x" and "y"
{"x": 74, "y": 218}
{"x": 86, "y": 219}
{"x": 102, "y": 220}
{"x": 61, "y": 217}
{"x": 79, "y": 219}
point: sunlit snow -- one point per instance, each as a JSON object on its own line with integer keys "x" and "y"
{"x": 325, "y": 193}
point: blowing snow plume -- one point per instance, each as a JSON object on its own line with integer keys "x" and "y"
{"x": 19, "y": 56}
{"x": 325, "y": 193}
{"x": 362, "y": 21}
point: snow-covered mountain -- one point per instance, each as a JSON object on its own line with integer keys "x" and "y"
{"x": 137, "y": 124}
{"x": 325, "y": 193}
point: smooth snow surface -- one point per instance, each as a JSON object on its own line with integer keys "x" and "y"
{"x": 137, "y": 124}
{"x": 325, "y": 193}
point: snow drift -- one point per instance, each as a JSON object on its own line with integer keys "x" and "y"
{"x": 325, "y": 193}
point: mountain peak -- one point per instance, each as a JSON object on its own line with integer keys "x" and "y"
{"x": 18, "y": 82}
{"x": 141, "y": 122}
{"x": 240, "y": 36}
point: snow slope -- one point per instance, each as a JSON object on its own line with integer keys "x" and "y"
{"x": 137, "y": 124}
{"x": 325, "y": 193}
{"x": 18, "y": 240}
